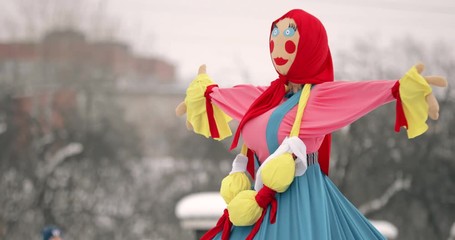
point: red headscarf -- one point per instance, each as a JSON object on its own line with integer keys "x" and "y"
{"x": 312, "y": 64}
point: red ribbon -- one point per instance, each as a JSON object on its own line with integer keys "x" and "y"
{"x": 250, "y": 164}
{"x": 324, "y": 154}
{"x": 264, "y": 198}
{"x": 270, "y": 98}
{"x": 209, "y": 108}
{"x": 400, "y": 120}
{"x": 223, "y": 225}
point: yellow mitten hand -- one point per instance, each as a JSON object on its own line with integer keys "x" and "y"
{"x": 202, "y": 116}
{"x": 180, "y": 110}
{"x": 439, "y": 81}
{"x": 418, "y": 100}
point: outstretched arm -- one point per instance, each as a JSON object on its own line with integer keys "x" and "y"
{"x": 334, "y": 105}
{"x": 204, "y": 99}
{"x": 337, "y": 104}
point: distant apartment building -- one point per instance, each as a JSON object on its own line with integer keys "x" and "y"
{"x": 27, "y": 64}
{"x": 65, "y": 71}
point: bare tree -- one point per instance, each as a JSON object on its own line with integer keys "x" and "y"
{"x": 68, "y": 156}
{"x": 407, "y": 182}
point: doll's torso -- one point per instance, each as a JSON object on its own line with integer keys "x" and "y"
{"x": 254, "y": 134}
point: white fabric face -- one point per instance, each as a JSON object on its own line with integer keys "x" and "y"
{"x": 239, "y": 164}
{"x": 291, "y": 145}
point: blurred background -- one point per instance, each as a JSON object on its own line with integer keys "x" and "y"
{"x": 89, "y": 140}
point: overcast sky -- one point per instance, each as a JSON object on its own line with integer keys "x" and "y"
{"x": 231, "y": 37}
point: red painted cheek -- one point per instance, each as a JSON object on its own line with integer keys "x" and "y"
{"x": 290, "y": 46}
{"x": 271, "y": 46}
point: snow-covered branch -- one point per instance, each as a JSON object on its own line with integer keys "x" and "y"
{"x": 378, "y": 203}
{"x": 452, "y": 232}
{"x": 52, "y": 161}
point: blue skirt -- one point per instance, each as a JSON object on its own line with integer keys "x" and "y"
{"x": 312, "y": 209}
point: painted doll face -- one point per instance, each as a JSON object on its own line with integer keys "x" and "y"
{"x": 284, "y": 40}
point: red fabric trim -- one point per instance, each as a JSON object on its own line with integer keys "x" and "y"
{"x": 264, "y": 198}
{"x": 256, "y": 227}
{"x": 324, "y": 154}
{"x": 209, "y": 109}
{"x": 270, "y": 98}
{"x": 400, "y": 119}
{"x": 223, "y": 225}
{"x": 250, "y": 165}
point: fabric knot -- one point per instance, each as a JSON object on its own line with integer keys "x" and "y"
{"x": 223, "y": 225}
{"x": 209, "y": 109}
{"x": 264, "y": 198}
{"x": 209, "y": 90}
{"x": 283, "y": 79}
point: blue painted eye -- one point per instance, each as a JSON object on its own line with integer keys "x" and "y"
{"x": 275, "y": 32}
{"x": 289, "y": 32}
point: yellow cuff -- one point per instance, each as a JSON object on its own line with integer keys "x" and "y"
{"x": 196, "y": 109}
{"x": 413, "y": 90}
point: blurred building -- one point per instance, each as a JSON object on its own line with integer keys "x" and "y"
{"x": 65, "y": 71}
{"x": 61, "y": 48}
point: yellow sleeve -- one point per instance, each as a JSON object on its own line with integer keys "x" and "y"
{"x": 413, "y": 91}
{"x": 196, "y": 109}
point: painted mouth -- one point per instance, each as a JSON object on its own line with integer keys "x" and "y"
{"x": 280, "y": 61}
